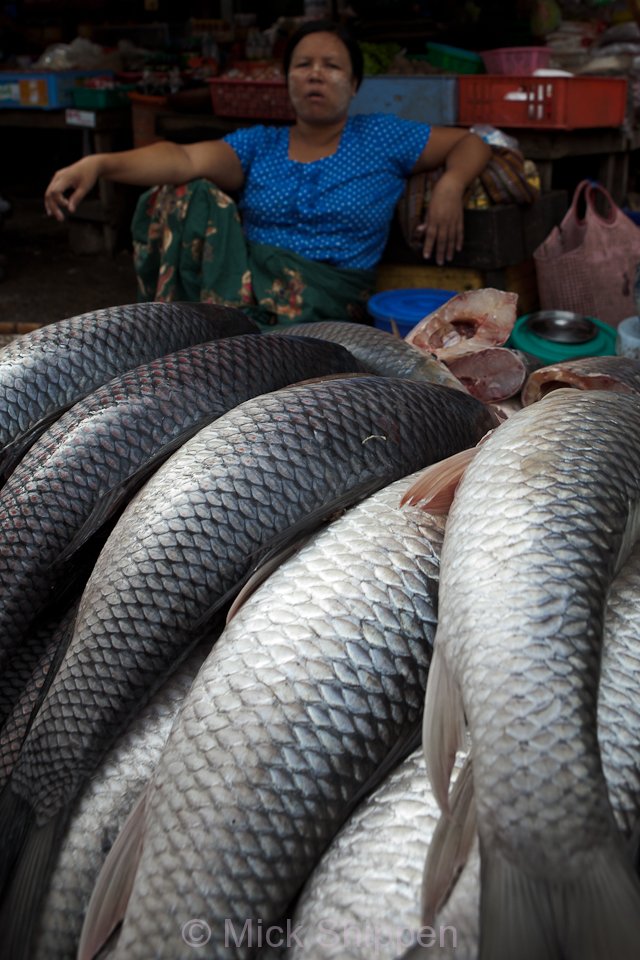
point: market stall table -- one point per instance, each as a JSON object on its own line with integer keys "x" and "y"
{"x": 98, "y": 131}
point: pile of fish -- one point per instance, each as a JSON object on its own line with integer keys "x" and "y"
{"x": 231, "y": 615}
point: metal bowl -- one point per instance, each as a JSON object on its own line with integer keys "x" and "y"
{"x": 561, "y": 326}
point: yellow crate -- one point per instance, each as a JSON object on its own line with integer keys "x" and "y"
{"x": 398, "y": 276}
{"x": 520, "y": 279}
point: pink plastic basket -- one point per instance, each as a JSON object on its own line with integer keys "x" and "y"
{"x": 519, "y": 61}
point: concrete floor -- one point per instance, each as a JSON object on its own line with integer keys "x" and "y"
{"x": 45, "y": 278}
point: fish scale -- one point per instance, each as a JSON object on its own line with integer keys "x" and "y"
{"x": 301, "y": 700}
{"x": 104, "y": 439}
{"x": 49, "y": 368}
{"x": 271, "y": 452}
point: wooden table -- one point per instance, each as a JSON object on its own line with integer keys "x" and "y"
{"x": 98, "y": 131}
{"x": 602, "y": 153}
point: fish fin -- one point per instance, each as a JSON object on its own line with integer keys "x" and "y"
{"x": 15, "y": 819}
{"x": 27, "y": 885}
{"x": 82, "y": 550}
{"x": 444, "y": 727}
{"x": 450, "y": 846}
{"x": 630, "y": 535}
{"x": 14, "y": 451}
{"x": 112, "y": 502}
{"x": 592, "y": 916}
{"x": 262, "y": 573}
{"x": 634, "y": 846}
{"x": 435, "y": 487}
{"x": 62, "y": 639}
{"x": 394, "y": 329}
{"x": 112, "y": 890}
{"x": 359, "y": 370}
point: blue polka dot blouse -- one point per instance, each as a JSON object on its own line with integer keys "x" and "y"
{"x": 337, "y": 209}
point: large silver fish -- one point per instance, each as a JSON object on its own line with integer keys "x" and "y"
{"x": 542, "y": 521}
{"x": 619, "y": 738}
{"x": 310, "y": 689}
{"x": 102, "y": 810}
{"x": 86, "y": 461}
{"x": 381, "y": 352}
{"x": 43, "y": 372}
{"x": 619, "y": 699}
{"x": 363, "y": 899}
{"x": 245, "y": 484}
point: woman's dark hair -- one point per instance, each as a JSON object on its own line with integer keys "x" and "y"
{"x": 326, "y": 26}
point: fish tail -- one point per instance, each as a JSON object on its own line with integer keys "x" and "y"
{"x": 592, "y": 916}
{"x": 27, "y": 880}
{"x": 444, "y": 727}
{"x": 450, "y": 846}
{"x": 113, "y": 887}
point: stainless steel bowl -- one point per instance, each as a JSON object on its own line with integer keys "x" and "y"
{"x": 561, "y": 326}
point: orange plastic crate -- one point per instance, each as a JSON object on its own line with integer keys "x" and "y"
{"x": 553, "y": 103}
{"x": 250, "y": 99}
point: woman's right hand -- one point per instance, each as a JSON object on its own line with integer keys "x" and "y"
{"x": 79, "y": 178}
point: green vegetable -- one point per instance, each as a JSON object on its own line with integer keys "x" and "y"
{"x": 378, "y": 56}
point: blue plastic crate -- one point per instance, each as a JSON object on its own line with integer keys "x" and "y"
{"x": 41, "y": 89}
{"x": 429, "y": 99}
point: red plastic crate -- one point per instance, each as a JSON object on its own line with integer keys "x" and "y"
{"x": 554, "y": 103}
{"x": 250, "y": 99}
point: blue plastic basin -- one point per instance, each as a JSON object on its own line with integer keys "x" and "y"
{"x": 405, "y": 308}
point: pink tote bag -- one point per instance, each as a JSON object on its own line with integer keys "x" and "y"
{"x": 588, "y": 263}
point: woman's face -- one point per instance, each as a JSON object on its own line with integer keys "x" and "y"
{"x": 321, "y": 81}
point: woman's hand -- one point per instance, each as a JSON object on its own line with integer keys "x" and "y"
{"x": 79, "y": 178}
{"x": 443, "y": 225}
{"x": 464, "y": 156}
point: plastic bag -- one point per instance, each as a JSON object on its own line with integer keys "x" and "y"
{"x": 588, "y": 264}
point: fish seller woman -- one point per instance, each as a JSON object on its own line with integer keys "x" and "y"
{"x": 315, "y": 199}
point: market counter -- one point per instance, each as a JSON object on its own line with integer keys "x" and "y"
{"x": 601, "y": 154}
